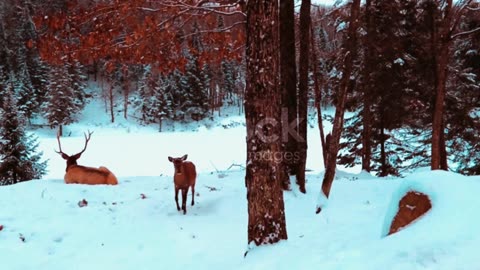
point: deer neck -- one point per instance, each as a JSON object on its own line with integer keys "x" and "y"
{"x": 179, "y": 169}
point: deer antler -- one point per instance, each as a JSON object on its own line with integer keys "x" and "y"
{"x": 59, "y": 144}
{"x": 87, "y": 138}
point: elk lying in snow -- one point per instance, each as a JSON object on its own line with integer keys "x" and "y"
{"x": 184, "y": 177}
{"x": 76, "y": 174}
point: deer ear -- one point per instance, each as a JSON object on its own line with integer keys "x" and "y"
{"x": 65, "y": 156}
{"x": 77, "y": 156}
{"x": 184, "y": 157}
{"x": 170, "y": 159}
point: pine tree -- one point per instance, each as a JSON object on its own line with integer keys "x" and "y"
{"x": 27, "y": 99}
{"x": 155, "y": 97}
{"x": 19, "y": 160}
{"x": 196, "y": 104}
{"x": 160, "y": 102}
{"x": 62, "y": 104}
{"x": 180, "y": 95}
{"x": 228, "y": 82}
{"x": 463, "y": 126}
{"x": 78, "y": 81}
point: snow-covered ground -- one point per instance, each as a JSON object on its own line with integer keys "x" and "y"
{"x": 135, "y": 225}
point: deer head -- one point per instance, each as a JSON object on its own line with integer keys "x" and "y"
{"x": 72, "y": 160}
{"x": 177, "y": 163}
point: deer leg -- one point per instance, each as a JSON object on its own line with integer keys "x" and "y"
{"x": 184, "y": 200}
{"x": 176, "y": 198}
{"x": 193, "y": 195}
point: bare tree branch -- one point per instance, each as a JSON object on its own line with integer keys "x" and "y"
{"x": 464, "y": 33}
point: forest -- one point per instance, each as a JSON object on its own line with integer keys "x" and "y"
{"x": 408, "y": 71}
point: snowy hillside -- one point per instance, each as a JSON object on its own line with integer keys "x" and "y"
{"x": 122, "y": 229}
{"x": 135, "y": 225}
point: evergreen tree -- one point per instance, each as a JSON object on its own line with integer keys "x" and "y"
{"x": 197, "y": 96}
{"x": 25, "y": 93}
{"x": 78, "y": 81}
{"x": 463, "y": 101}
{"x": 19, "y": 160}
{"x": 62, "y": 103}
{"x": 180, "y": 99}
{"x": 228, "y": 72}
{"x": 197, "y": 88}
{"x": 155, "y": 97}
{"x": 389, "y": 89}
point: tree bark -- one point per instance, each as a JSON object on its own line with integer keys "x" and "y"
{"x": 350, "y": 48}
{"x": 439, "y": 108}
{"x": 110, "y": 100}
{"x": 266, "y": 214}
{"x": 288, "y": 80}
{"x": 366, "y": 95}
{"x": 441, "y": 41}
{"x": 305, "y": 21}
{"x": 442, "y": 38}
{"x": 126, "y": 90}
{"x": 318, "y": 96}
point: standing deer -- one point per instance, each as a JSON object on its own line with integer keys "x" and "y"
{"x": 184, "y": 177}
{"x": 77, "y": 174}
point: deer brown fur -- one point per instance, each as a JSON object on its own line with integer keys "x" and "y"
{"x": 184, "y": 177}
{"x": 77, "y": 174}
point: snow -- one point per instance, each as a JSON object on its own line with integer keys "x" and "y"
{"x": 322, "y": 201}
{"x": 120, "y": 228}
{"x": 399, "y": 61}
{"x": 454, "y": 205}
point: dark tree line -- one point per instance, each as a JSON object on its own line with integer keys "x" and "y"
{"x": 397, "y": 80}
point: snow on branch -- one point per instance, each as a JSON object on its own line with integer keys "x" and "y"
{"x": 217, "y": 7}
{"x": 464, "y": 33}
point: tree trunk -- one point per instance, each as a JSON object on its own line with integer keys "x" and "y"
{"x": 441, "y": 41}
{"x": 266, "y": 214}
{"x": 442, "y": 38}
{"x": 305, "y": 21}
{"x": 60, "y": 130}
{"x": 288, "y": 80}
{"x": 350, "y": 48}
{"x": 367, "y": 103}
{"x": 443, "y": 151}
{"x": 126, "y": 91}
{"x": 110, "y": 99}
{"x": 438, "y": 113}
{"x": 383, "y": 155}
{"x": 318, "y": 96}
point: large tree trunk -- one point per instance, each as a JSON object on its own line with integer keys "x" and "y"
{"x": 350, "y": 48}
{"x": 366, "y": 87}
{"x": 266, "y": 214}
{"x": 441, "y": 41}
{"x": 438, "y": 113}
{"x": 288, "y": 81}
{"x": 442, "y": 38}
{"x": 303, "y": 90}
